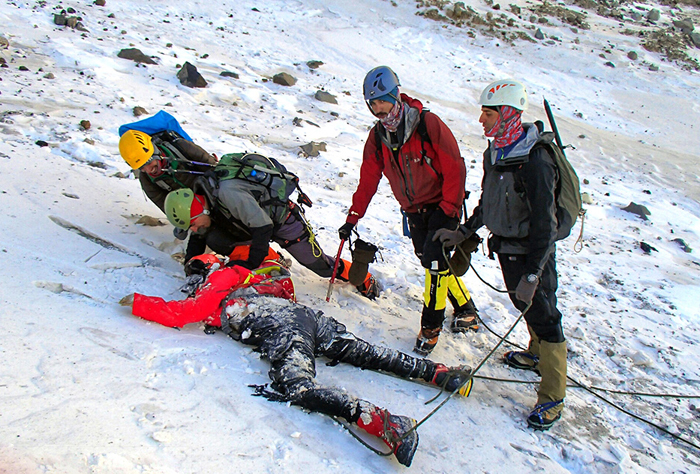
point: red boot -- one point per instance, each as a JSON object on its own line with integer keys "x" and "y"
{"x": 453, "y": 378}
{"x": 390, "y": 428}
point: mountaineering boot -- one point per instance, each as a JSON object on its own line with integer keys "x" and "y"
{"x": 550, "y": 396}
{"x": 391, "y": 428}
{"x": 369, "y": 288}
{"x": 453, "y": 378}
{"x": 362, "y": 255}
{"x": 545, "y": 415}
{"x": 525, "y": 360}
{"x": 465, "y": 318}
{"x": 426, "y": 341}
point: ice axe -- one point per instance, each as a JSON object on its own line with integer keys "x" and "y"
{"x": 335, "y": 270}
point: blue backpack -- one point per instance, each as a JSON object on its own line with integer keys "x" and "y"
{"x": 160, "y": 122}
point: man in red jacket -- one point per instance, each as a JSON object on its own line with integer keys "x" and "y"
{"x": 419, "y": 156}
{"x": 258, "y": 308}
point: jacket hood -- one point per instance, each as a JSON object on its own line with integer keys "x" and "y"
{"x": 409, "y": 122}
{"x": 521, "y": 151}
{"x": 413, "y": 103}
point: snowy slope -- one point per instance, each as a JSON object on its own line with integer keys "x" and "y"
{"x": 87, "y": 388}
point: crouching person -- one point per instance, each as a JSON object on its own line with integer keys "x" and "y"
{"x": 258, "y": 308}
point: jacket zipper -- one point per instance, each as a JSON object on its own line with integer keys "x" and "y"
{"x": 396, "y": 162}
{"x": 409, "y": 182}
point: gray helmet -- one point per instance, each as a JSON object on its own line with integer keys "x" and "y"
{"x": 379, "y": 81}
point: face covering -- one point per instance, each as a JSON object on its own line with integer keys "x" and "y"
{"x": 393, "y": 119}
{"x": 508, "y": 128}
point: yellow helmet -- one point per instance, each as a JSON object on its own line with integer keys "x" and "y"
{"x": 136, "y": 148}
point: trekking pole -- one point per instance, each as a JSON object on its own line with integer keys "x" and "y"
{"x": 335, "y": 270}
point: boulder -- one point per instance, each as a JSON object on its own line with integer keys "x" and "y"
{"x": 684, "y": 246}
{"x": 638, "y": 210}
{"x": 324, "y": 96}
{"x": 685, "y": 25}
{"x": 313, "y": 148}
{"x": 284, "y": 79}
{"x": 135, "y": 55}
{"x": 190, "y": 77}
{"x": 695, "y": 39}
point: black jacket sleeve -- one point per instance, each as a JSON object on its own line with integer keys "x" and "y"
{"x": 197, "y": 245}
{"x": 260, "y": 245}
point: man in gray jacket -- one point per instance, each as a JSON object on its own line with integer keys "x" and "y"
{"x": 230, "y": 213}
{"x": 518, "y": 205}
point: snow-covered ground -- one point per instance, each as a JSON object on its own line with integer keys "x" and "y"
{"x": 87, "y": 388}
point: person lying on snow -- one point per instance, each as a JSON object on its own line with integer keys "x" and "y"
{"x": 258, "y": 308}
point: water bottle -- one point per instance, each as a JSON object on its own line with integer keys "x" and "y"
{"x": 257, "y": 176}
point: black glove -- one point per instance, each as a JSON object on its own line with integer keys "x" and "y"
{"x": 195, "y": 267}
{"x": 180, "y": 234}
{"x": 192, "y": 284}
{"x": 526, "y": 288}
{"x": 344, "y": 231}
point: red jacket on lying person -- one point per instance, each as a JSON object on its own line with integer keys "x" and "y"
{"x": 206, "y": 306}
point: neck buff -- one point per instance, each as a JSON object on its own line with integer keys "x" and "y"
{"x": 391, "y": 121}
{"x": 508, "y": 128}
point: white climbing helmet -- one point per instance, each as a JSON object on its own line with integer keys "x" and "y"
{"x": 505, "y": 92}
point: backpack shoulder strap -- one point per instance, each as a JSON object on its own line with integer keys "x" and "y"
{"x": 378, "y": 141}
{"x": 423, "y": 130}
{"x": 167, "y": 141}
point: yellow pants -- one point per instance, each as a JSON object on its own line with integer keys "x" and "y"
{"x": 438, "y": 287}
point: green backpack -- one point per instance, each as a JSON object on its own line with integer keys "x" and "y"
{"x": 568, "y": 192}
{"x": 268, "y": 173}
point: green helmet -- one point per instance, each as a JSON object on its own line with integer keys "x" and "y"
{"x": 177, "y": 207}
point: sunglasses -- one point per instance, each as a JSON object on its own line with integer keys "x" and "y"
{"x": 205, "y": 212}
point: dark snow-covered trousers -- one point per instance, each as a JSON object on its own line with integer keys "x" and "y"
{"x": 543, "y": 316}
{"x": 293, "y": 347}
